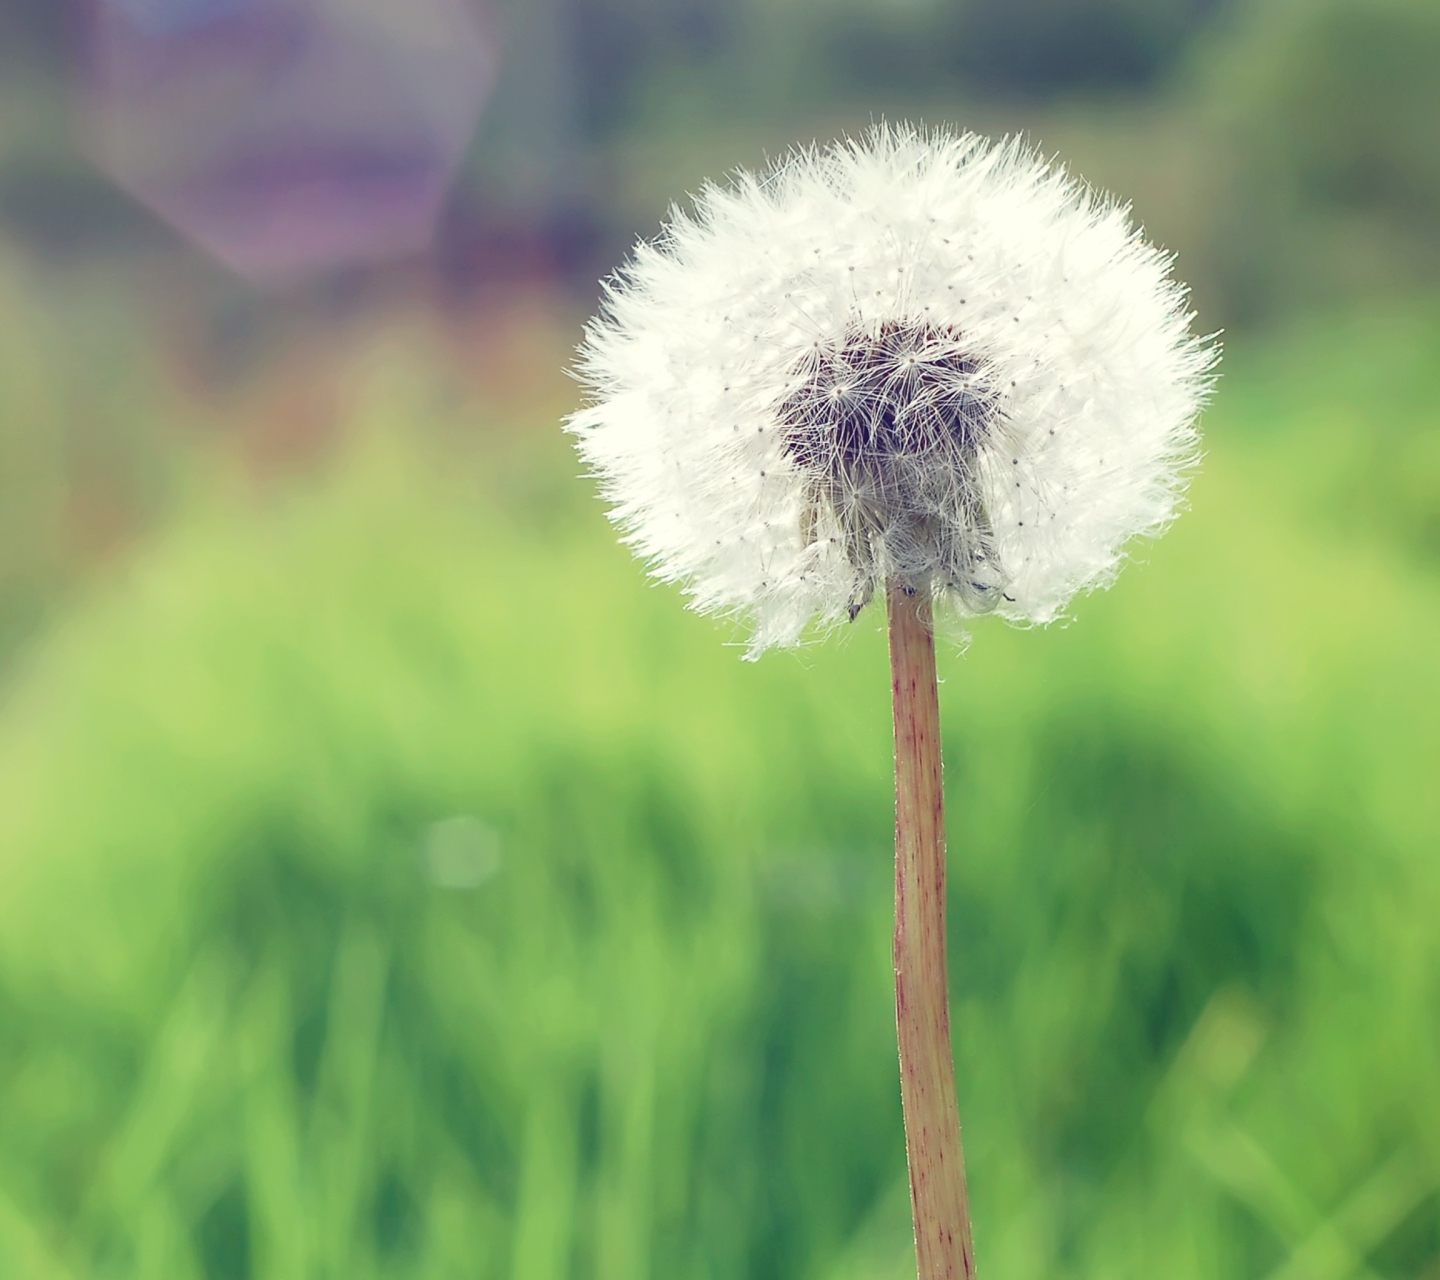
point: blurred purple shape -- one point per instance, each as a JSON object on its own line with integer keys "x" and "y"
{"x": 168, "y": 17}
{"x": 286, "y": 136}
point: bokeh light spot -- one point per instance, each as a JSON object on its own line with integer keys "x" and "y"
{"x": 287, "y": 136}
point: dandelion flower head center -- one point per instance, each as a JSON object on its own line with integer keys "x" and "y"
{"x": 887, "y": 428}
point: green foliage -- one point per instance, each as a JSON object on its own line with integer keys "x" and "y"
{"x": 395, "y": 886}
{"x": 1331, "y": 173}
{"x": 1045, "y": 48}
{"x": 84, "y": 441}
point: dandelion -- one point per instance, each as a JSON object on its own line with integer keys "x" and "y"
{"x": 921, "y": 363}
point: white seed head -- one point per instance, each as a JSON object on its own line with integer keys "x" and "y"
{"x": 919, "y": 357}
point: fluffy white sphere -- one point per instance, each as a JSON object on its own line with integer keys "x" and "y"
{"x": 918, "y": 358}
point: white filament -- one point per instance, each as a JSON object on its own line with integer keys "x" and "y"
{"x": 1079, "y": 334}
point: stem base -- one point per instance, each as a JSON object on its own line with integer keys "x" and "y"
{"x": 938, "y": 1197}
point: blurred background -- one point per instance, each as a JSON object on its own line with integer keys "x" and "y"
{"x": 392, "y": 884}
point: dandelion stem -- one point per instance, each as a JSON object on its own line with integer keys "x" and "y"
{"x": 938, "y": 1197}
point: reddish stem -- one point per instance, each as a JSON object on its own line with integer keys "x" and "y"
{"x": 938, "y": 1197}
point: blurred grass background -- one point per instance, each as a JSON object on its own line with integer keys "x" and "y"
{"x": 392, "y": 884}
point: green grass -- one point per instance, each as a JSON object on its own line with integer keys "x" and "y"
{"x": 393, "y": 885}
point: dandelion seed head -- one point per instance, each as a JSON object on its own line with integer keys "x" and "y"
{"x": 916, "y": 357}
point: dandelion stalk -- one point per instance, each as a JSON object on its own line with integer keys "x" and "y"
{"x": 938, "y": 1197}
